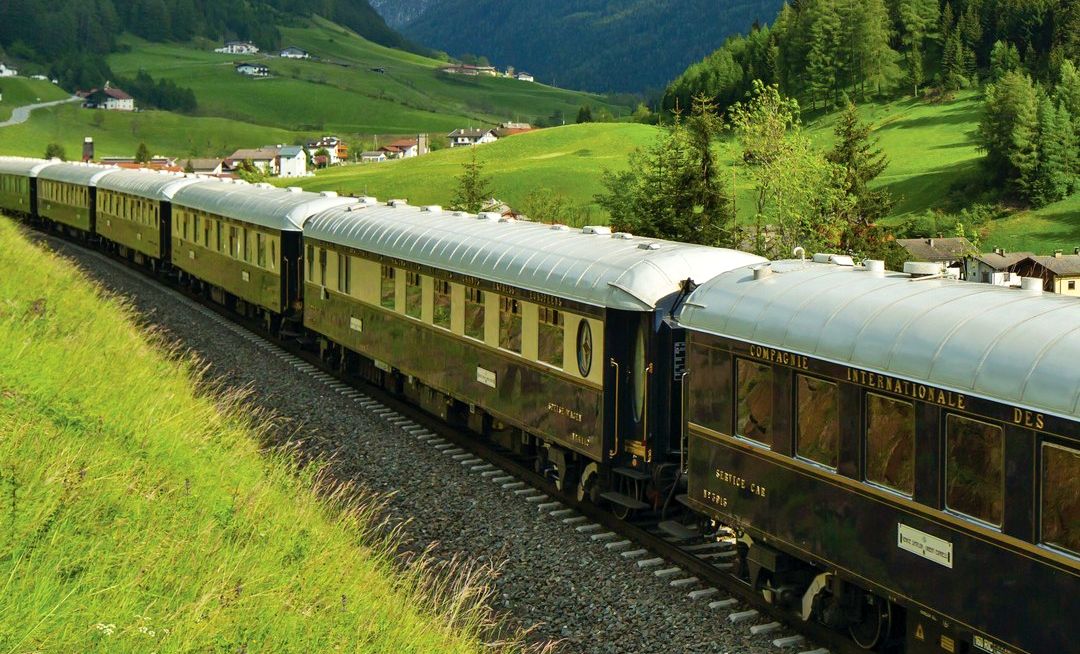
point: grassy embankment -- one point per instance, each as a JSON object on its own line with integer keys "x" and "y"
{"x": 140, "y": 513}
{"x": 341, "y": 94}
{"x": 932, "y": 149}
{"x": 21, "y": 91}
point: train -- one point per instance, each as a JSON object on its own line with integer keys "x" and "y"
{"x": 896, "y": 455}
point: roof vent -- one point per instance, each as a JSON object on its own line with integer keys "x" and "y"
{"x": 264, "y": 185}
{"x": 367, "y": 199}
{"x": 874, "y": 266}
{"x": 649, "y": 246}
{"x": 624, "y": 236}
{"x": 560, "y": 228}
{"x": 842, "y": 260}
{"x": 397, "y": 203}
{"x": 921, "y": 268}
{"x": 507, "y": 219}
{"x": 1033, "y": 284}
{"x": 432, "y": 208}
{"x": 294, "y": 189}
{"x": 596, "y": 229}
{"x": 328, "y": 194}
{"x": 488, "y": 215}
{"x": 762, "y": 271}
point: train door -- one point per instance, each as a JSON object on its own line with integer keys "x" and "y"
{"x": 629, "y": 378}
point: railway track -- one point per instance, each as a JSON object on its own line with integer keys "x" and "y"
{"x": 697, "y": 565}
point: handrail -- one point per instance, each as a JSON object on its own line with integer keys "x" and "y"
{"x": 615, "y": 450}
{"x": 682, "y": 422}
{"x": 645, "y": 417}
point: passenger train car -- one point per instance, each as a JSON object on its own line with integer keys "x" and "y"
{"x": 898, "y": 452}
{"x": 898, "y": 456}
{"x": 546, "y": 337}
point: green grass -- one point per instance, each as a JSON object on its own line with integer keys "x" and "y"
{"x": 140, "y": 513}
{"x": 119, "y": 133}
{"x": 566, "y": 160}
{"x": 341, "y": 93}
{"x": 20, "y": 91}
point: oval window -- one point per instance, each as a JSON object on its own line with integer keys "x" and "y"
{"x": 584, "y": 348}
{"x": 639, "y": 373}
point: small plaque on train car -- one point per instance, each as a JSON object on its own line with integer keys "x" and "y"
{"x": 929, "y": 547}
{"x": 485, "y": 377}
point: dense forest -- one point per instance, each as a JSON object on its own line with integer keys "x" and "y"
{"x": 70, "y": 38}
{"x": 826, "y": 52}
{"x": 595, "y": 45}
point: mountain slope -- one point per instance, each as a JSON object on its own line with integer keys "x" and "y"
{"x": 599, "y": 45}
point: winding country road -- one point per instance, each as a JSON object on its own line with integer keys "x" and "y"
{"x": 22, "y": 114}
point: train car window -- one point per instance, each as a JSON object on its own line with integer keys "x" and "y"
{"x": 510, "y": 324}
{"x": 441, "y": 315}
{"x": 311, "y": 263}
{"x": 218, "y": 244}
{"x": 322, "y": 267}
{"x": 474, "y": 313}
{"x": 206, "y": 232}
{"x": 344, "y": 266}
{"x": 273, "y": 253}
{"x": 974, "y": 468}
{"x": 640, "y": 373}
{"x": 414, "y": 295}
{"x": 817, "y": 436}
{"x": 550, "y": 339}
{"x": 754, "y": 395}
{"x": 710, "y": 388}
{"x": 387, "y": 288}
{"x": 234, "y": 247}
{"x": 890, "y": 443}
{"x": 1061, "y": 497}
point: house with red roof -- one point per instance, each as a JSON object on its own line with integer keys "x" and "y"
{"x": 109, "y": 98}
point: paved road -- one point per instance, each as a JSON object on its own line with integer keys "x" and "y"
{"x": 22, "y": 114}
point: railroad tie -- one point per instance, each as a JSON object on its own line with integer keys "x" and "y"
{"x": 766, "y": 628}
{"x": 742, "y": 616}
{"x": 723, "y": 604}
{"x": 789, "y": 641}
{"x": 682, "y": 583}
{"x": 701, "y": 594}
{"x": 633, "y": 554}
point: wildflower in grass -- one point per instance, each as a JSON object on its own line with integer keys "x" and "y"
{"x": 106, "y": 629}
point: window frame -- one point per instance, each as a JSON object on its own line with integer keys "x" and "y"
{"x": 475, "y": 297}
{"x": 437, "y": 293}
{"x": 512, "y": 307}
{"x": 1040, "y": 538}
{"x": 866, "y": 444}
{"x": 945, "y": 495}
{"x": 414, "y": 295}
{"x": 798, "y": 427}
{"x": 736, "y": 404}
{"x": 551, "y": 318}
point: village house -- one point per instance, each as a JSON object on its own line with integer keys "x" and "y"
{"x": 463, "y": 137}
{"x": 406, "y": 148}
{"x": 524, "y": 77}
{"x": 377, "y": 156}
{"x": 108, "y": 98}
{"x": 292, "y": 161}
{"x": 335, "y": 148}
{"x": 7, "y": 72}
{"x": 238, "y": 47}
{"x": 950, "y": 252}
{"x": 253, "y": 70}
{"x": 994, "y": 267}
{"x": 472, "y": 71}
{"x": 292, "y": 52}
{"x": 264, "y": 159}
{"x": 510, "y": 129}
{"x": 1060, "y": 272}
{"x": 158, "y": 163}
{"x": 205, "y": 166}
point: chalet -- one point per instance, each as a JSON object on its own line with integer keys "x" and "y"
{"x": 253, "y": 70}
{"x": 524, "y": 77}
{"x": 238, "y": 48}
{"x": 472, "y": 71}
{"x": 406, "y": 148}
{"x": 1060, "y": 272}
{"x": 462, "y": 137}
{"x": 264, "y": 159}
{"x": 157, "y": 163}
{"x": 205, "y": 166}
{"x": 994, "y": 267}
{"x": 336, "y": 149}
{"x": 7, "y": 72}
{"x": 109, "y": 98}
{"x": 292, "y": 52}
{"x": 377, "y": 156}
{"x": 950, "y": 252}
{"x": 291, "y": 161}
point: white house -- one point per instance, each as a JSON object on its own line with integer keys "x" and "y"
{"x": 40, "y": 78}
{"x": 373, "y": 157}
{"x": 525, "y": 77}
{"x": 463, "y": 137}
{"x": 406, "y": 148}
{"x": 336, "y": 149}
{"x": 253, "y": 70}
{"x": 292, "y": 52}
{"x": 108, "y": 98}
{"x": 292, "y": 161}
{"x": 238, "y": 47}
{"x": 7, "y": 72}
{"x": 265, "y": 159}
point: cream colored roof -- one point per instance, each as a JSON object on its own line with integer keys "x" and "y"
{"x": 598, "y": 269}
{"x": 148, "y": 184}
{"x": 258, "y": 204}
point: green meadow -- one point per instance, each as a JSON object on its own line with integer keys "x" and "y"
{"x": 20, "y": 91}
{"x": 142, "y": 513}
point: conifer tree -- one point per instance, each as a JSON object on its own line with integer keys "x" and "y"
{"x": 1048, "y": 179}
{"x": 1004, "y": 57}
{"x": 1007, "y": 130}
{"x": 822, "y": 61}
{"x": 862, "y": 162}
{"x": 142, "y": 154}
{"x": 473, "y": 189}
{"x": 953, "y": 63}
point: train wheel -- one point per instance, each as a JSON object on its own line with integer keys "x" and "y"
{"x": 875, "y": 623}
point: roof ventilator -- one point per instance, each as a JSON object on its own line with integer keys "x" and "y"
{"x": 1033, "y": 284}
{"x": 329, "y": 194}
{"x": 876, "y": 266}
{"x": 507, "y": 219}
{"x": 397, "y": 203}
{"x": 623, "y": 236}
{"x": 432, "y": 208}
{"x": 649, "y": 246}
{"x": 294, "y": 189}
{"x": 560, "y": 227}
{"x": 923, "y": 269}
{"x": 488, "y": 215}
{"x": 596, "y": 229}
{"x": 762, "y": 271}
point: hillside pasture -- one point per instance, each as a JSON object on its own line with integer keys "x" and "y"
{"x": 21, "y": 91}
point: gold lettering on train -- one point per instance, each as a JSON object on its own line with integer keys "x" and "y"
{"x": 584, "y": 441}
{"x": 563, "y": 411}
{"x": 779, "y": 356}
{"x": 736, "y": 481}
{"x": 1029, "y": 419}
{"x": 912, "y": 390}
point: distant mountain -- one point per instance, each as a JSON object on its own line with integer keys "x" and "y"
{"x": 598, "y": 45}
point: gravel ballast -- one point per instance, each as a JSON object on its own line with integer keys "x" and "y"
{"x": 554, "y": 577}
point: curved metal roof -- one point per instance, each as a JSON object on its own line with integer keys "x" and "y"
{"x": 259, "y": 204}
{"x": 84, "y": 174}
{"x": 598, "y": 269}
{"x": 1018, "y": 347}
{"x": 24, "y": 166}
{"x": 148, "y": 184}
